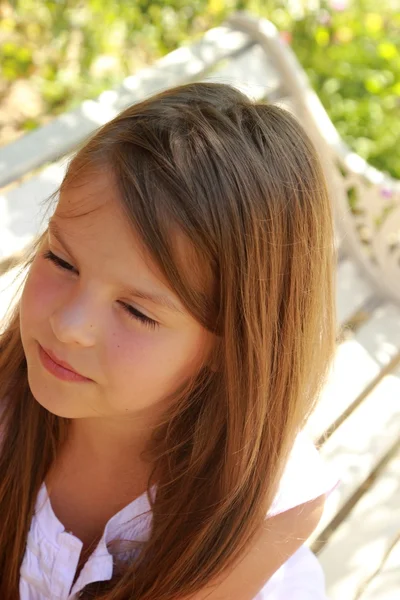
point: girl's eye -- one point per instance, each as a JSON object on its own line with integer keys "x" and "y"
{"x": 49, "y": 255}
{"x": 130, "y": 310}
{"x": 135, "y": 314}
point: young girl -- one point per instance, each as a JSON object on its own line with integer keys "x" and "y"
{"x": 174, "y": 330}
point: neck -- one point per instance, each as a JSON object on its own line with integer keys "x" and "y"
{"x": 91, "y": 478}
{"x": 114, "y": 445}
{"x": 104, "y": 451}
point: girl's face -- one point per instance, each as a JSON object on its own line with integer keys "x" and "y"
{"x": 79, "y": 303}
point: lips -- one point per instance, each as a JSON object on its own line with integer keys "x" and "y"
{"x": 62, "y": 363}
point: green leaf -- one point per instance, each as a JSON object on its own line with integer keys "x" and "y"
{"x": 387, "y": 50}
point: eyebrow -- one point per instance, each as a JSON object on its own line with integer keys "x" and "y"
{"x": 155, "y": 298}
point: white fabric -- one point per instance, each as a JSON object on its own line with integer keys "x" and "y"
{"x": 52, "y": 554}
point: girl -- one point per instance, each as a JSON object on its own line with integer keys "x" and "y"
{"x": 174, "y": 330}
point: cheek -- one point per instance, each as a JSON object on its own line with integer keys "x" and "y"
{"x": 131, "y": 351}
{"x": 149, "y": 359}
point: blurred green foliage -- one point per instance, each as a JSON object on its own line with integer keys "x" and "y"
{"x": 69, "y": 50}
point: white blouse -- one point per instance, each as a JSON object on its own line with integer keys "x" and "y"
{"x": 52, "y": 554}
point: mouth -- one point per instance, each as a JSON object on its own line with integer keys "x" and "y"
{"x": 59, "y": 368}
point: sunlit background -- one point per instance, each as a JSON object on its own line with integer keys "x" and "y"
{"x": 54, "y": 54}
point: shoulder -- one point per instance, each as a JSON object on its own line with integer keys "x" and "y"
{"x": 294, "y": 515}
{"x": 305, "y": 477}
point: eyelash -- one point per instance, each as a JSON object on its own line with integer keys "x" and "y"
{"x": 130, "y": 310}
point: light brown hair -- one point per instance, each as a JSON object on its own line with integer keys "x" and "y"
{"x": 242, "y": 181}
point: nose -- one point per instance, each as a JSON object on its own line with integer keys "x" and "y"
{"x": 75, "y": 321}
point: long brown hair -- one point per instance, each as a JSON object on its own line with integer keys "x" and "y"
{"x": 244, "y": 184}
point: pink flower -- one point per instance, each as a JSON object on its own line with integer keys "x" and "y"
{"x": 338, "y": 5}
{"x": 324, "y": 18}
{"x": 286, "y": 36}
{"x": 386, "y": 192}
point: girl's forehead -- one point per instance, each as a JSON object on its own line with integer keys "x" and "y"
{"x": 90, "y": 217}
{"x": 86, "y": 194}
{"x": 91, "y": 213}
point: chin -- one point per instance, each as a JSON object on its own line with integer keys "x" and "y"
{"x": 57, "y": 401}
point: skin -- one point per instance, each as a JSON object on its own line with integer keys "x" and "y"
{"x": 79, "y": 313}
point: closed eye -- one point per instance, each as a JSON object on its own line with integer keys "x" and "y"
{"x": 49, "y": 255}
{"x": 132, "y": 312}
